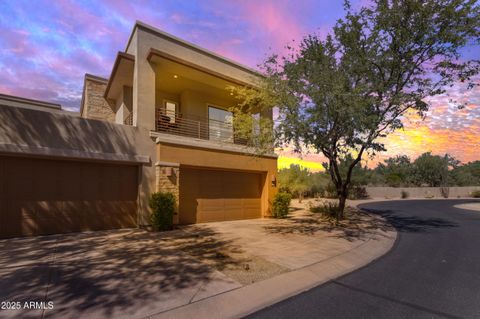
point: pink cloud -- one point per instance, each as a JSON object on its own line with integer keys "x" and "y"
{"x": 273, "y": 19}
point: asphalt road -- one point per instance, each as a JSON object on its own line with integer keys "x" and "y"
{"x": 433, "y": 270}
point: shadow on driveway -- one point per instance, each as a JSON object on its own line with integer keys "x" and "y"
{"x": 357, "y": 226}
{"x": 111, "y": 273}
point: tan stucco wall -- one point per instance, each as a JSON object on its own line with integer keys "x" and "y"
{"x": 95, "y": 106}
{"x": 161, "y": 96}
{"x": 420, "y": 192}
{"x": 143, "y": 83}
{"x": 145, "y": 96}
{"x": 150, "y": 39}
{"x": 25, "y": 132}
{"x": 196, "y": 103}
{"x": 197, "y": 157}
{"x": 123, "y": 105}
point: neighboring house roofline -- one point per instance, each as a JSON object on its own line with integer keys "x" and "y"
{"x": 90, "y": 77}
{"x": 120, "y": 56}
{"x": 170, "y": 37}
{"x": 29, "y": 101}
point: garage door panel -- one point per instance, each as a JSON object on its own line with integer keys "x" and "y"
{"x": 23, "y": 168}
{"x": 211, "y": 186}
{"x": 71, "y": 191}
{"x": 45, "y": 188}
{"x": 210, "y": 204}
{"x": 233, "y": 212}
{"x": 221, "y": 195}
{"x": 19, "y": 188}
{"x": 128, "y": 187}
{"x": 252, "y": 207}
{"x": 251, "y": 202}
{"x": 49, "y": 209}
{"x": 19, "y": 217}
{"x": 49, "y": 196}
{"x": 205, "y": 216}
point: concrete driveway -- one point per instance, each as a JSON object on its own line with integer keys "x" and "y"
{"x": 135, "y": 274}
{"x": 118, "y": 274}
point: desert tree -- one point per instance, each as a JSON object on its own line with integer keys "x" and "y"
{"x": 339, "y": 95}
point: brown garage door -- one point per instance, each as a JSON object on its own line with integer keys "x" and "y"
{"x": 213, "y": 195}
{"x": 39, "y": 196}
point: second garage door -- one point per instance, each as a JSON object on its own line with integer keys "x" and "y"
{"x": 42, "y": 196}
{"x": 215, "y": 195}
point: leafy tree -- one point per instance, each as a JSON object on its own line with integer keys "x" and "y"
{"x": 295, "y": 180}
{"x": 432, "y": 170}
{"x": 467, "y": 174}
{"x": 396, "y": 171}
{"x": 338, "y": 95}
{"x": 319, "y": 183}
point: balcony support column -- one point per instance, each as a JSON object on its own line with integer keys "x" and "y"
{"x": 143, "y": 88}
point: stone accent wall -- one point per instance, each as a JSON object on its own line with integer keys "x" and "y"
{"x": 168, "y": 180}
{"x": 95, "y": 106}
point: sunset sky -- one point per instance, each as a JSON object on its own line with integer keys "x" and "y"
{"x": 46, "y": 47}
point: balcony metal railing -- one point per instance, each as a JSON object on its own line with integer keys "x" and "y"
{"x": 128, "y": 120}
{"x": 195, "y": 126}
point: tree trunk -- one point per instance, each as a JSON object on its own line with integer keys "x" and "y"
{"x": 341, "y": 207}
{"x": 342, "y": 199}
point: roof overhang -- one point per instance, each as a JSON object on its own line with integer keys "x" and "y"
{"x": 162, "y": 34}
{"x": 122, "y": 75}
{"x": 156, "y": 56}
{"x": 12, "y": 100}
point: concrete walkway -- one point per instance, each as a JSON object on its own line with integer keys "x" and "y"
{"x": 469, "y": 206}
{"x": 214, "y": 270}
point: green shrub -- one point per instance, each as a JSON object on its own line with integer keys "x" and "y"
{"x": 163, "y": 207}
{"x": 281, "y": 203}
{"x": 476, "y": 193}
{"x": 405, "y": 194}
{"x": 327, "y": 209}
{"x": 330, "y": 191}
{"x": 358, "y": 192}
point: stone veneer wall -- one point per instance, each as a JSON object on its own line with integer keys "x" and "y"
{"x": 96, "y": 107}
{"x": 165, "y": 183}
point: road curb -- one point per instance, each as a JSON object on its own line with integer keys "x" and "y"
{"x": 249, "y": 299}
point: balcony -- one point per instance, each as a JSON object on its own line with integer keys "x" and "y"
{"x": 128, "y": 120}
{"x": 196, "y": 127}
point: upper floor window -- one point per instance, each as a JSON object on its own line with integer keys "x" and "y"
{"x": 220, "y": 126}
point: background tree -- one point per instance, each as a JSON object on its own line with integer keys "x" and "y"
{"x": 466, "y": 175}
{"x": 295, "y": 180}
{"x": 338, "y": 95}
{"x": 396, "y": 171}
{"x": 433, "y": 170}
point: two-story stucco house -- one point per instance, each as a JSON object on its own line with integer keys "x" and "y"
{"x": 160, "y": 122}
